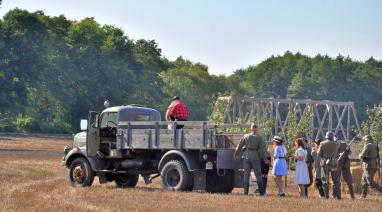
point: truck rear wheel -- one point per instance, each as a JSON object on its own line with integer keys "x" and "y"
{"x": 176, "y": 177}
{"x": 219, "y": 184}
{"x": 80, "y": 173}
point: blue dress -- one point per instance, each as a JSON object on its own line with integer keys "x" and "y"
{"x": 279, "y": 165}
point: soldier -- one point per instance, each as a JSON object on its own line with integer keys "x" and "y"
{"x": 344, "y": 168}
{"x": 317, "y": 168}
{"x": 265, "y": 164}
{"x": 369, "y": 157}
{"x": 309, "y": 162}
{"x": 252, "y": 149}
{"x": 328, "y": 151}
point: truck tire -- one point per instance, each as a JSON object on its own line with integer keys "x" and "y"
{"x": 126, "y": 180}
{"x": 80, "y": 173}
{"x": 176, "y": 177}
{"x": 219, "y": 184}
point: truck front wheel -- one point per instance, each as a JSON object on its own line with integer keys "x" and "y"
{"x": 80, "y": 173}
{"x": 176, "y": 177}
{"x": 126, "y": 180}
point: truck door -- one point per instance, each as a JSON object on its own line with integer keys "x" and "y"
{"x": 92, "y": 138}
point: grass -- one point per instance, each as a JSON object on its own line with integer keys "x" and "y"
{"x": 34, "y": 181}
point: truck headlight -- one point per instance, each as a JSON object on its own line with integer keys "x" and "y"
{"x": 67, "y": 149}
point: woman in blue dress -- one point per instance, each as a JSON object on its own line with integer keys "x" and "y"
{"x": 280, "y": 167}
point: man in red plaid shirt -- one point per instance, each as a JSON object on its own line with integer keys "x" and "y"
{"x": 177, "y": 111}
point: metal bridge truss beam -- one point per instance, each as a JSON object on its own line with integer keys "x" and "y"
{"x": 326, "y": 115}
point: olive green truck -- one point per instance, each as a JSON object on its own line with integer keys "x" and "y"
{"x": 123, "y": 142}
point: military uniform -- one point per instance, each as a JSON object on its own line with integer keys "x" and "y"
{"x": 252, "y": 149}
{"x": 368, "y": 157}
{"x": 328, "y": 150}
{"x": 317, "y": 173}
{"x": 344, "y": 169}
{"x": 265, "y": 168}
{"x": 309, "y": 162}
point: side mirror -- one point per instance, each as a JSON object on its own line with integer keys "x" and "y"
{"x": 84, "y": 124}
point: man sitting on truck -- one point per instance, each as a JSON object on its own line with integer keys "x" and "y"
{"x": 177, "y": 111}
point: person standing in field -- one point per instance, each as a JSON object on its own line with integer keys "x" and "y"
{"x": 344, "y": 168}
{"x": 328, "y": 151}
{"x": 265, "y": 164}
{"x": 280, "y": 167}
{"x": 252, "y": 149}
{"x": 177, "y": 111}
{"x": 301, "y": 177}
{"x": 317, "y": 168}
{"x": 369, "y": 156}
{"x": 309, "y": 162}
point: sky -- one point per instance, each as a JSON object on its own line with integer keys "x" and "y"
{"x": 227, "y": 35}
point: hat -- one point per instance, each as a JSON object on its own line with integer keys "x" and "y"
{"x": 175, "y": 98}
{"x": 317, "y": 141}
{"x": 367, "y": 138}
{"x": 329, "y": 135}
{"x": 278, "y": 139}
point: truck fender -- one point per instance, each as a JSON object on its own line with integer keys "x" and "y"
{"x": 190, "y": 159}
{"x": 75, "y": 153}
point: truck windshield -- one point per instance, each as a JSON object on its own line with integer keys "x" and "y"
{"x": 109, "y": 120}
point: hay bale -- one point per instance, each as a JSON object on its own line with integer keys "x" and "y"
{"x": 356, "y": 173}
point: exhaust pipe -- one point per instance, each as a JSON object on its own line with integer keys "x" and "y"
{"x": 132, "y": 164}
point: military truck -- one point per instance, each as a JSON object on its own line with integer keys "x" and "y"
{"x": 123, "y": 142}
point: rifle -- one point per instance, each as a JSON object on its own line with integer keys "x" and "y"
{"x": 378, "y": 162}
{"x": 344, "y": 155}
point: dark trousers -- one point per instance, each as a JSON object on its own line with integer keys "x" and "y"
{"x": 336, "y": 181}
{"x": 310, "y": 171}
{"x": 264, "y": 173}
{"x": 346, "y": 174}
{"x": 368, "y": 180}
{"x": 320, "y": 188}
{"x": 254, "y": 165}
{"x": 172, "y": 118}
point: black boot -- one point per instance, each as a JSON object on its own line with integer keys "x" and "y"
{"x": 320, "y": 188}
{"x": 351, "y": 190}
{"x": 246, "y": 190}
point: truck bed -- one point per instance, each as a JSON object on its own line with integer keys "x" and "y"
{"x": 195, "y": 135}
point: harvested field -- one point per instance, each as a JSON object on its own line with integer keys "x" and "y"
{"x": 31, "y": 179}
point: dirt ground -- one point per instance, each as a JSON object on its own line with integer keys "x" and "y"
{"x": 31, "y": 179}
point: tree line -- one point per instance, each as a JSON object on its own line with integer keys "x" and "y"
{"x": 54, "y": 70}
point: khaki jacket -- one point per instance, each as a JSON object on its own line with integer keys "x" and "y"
{"x": 369, "y": 155}
{"x": 316, "y": 165}
{"x": 328, "y": 149}
{"x": 251, "y": 147}
{"x": 341, "y": 148}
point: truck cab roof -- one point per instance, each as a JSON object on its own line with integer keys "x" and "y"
{"x": 134, "y": 113}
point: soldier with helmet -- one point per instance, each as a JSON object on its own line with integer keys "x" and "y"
{"x": 328, "y": 151}
{"x": 369, "y": 157}
{"x": 252, "y": 149}
{"x": 344, "y": 167}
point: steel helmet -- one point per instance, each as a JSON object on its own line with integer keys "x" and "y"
{"x": 329, "y": 135}
{"x": 367, "y": 138}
